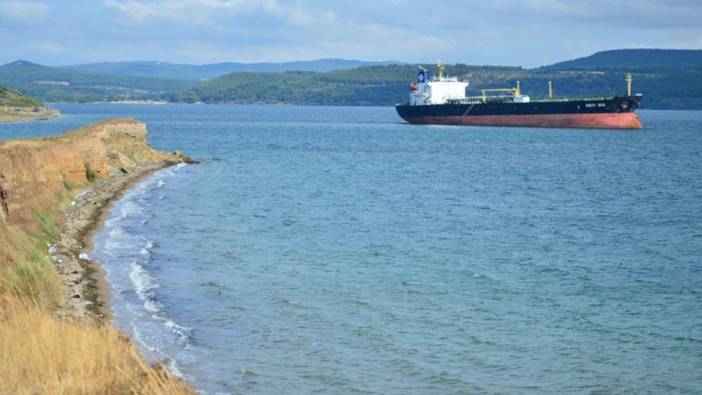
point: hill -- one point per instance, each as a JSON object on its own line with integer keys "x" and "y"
{"x": 386, "y": 85}
{"x": 11, "y": 98}
{"x": 209, "y": 71}
{"x": 374, "y": 85}
{"x": 15, "y": 106}
{"x": 59, "y": 84}
{"x": 669, "y": 79}
{"x": 634, "y": 59}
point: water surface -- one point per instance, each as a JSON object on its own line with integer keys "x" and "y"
{"x": 340, "y": 250}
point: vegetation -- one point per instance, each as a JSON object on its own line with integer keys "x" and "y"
{"x": 55, "y": 84}
{"x": 669, "y": 79}
{"x": 634, "y": 59}
{"x": 90, "y": 174}
{"x": 375, "y": 85}
{"x": 209, "y": 71}
{"x": 42, "y": 355}
{"x": 31, "y": 278}
{"x": 15, "y": 99}
{"x": 679, "y": 88}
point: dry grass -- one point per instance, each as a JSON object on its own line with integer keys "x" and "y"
{"x": 42, "y": 355}
{"x": 39, "y": 353}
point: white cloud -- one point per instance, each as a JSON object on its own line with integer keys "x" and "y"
{"x": 23, "y": 12}
{"x": 517, "y": 32}
{"x": 190, "y": 10}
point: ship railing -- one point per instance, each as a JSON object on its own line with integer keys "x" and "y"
{"x": 510, "y": 99}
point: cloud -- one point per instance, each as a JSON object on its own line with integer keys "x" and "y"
{"x": 23, "y": 12}
{"x": 511, "y": 32}
{"x": 190, "y": 10}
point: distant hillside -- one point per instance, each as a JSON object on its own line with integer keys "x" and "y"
{"x": 15, "y": 99}
{"x": 59, "y": 84}
{"x": 210, "y": 71}
{"x": 387, "y": 85}
{"x": 669, "y": 79}
{"x": 375, "y": 85}
{"x": 634, "y": 59}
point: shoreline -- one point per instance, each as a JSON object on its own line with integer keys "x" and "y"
{"x": 86, "y": 292}
{"x": 55, "y": 193}
{"x": 22, "y": 114}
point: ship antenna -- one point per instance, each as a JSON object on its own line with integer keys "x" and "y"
{"x": 629, "y": 80}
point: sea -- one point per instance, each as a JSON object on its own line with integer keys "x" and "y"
{"x": 340, "y": 250}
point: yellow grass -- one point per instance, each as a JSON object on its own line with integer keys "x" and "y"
{"x": 42, "y": 355}
{"x": 39, "y": 353}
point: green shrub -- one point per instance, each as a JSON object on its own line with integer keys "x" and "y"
{"x": 90, "y": 175}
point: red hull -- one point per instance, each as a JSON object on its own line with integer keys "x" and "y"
{"x": 627, "y": 120}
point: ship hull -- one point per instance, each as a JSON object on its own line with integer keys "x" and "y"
{"x": 613, "y": 113}
{"x": 593, "y": 121}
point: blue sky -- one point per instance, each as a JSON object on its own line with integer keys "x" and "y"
{"x": 508, "y": 32}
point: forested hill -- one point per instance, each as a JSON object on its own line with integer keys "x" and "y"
{"x": 376, "y": 85}
{"x": 634, "y": 59}
{"x": 668, "y": 79}
{"x": 59, "y": 84}
{"x": 663, "y": 88}
{"x": 209, "y": 71}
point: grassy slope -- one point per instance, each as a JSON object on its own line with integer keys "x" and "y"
{"x": 38, "y": 353}
{"x": 42, "y": 355}
{"x": 15, "y": 99}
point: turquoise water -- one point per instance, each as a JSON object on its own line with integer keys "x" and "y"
{"x": 330, "y": 249}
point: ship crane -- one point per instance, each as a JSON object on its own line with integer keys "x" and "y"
{"x": 516, "y": 91}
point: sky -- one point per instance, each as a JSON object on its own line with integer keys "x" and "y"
{"x": 525, "y": 33}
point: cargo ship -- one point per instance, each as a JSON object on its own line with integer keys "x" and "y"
{"x": 442, "y": 100}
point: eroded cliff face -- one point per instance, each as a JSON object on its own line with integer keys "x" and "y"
{"x": 39, "y": 177}
{"x": 40, "y": 174}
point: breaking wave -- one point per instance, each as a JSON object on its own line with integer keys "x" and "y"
{"x": 126, "y": 254}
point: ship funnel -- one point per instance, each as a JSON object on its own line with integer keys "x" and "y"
{"x": 422, "y": 75}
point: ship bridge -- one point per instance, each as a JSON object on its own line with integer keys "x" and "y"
{"x": 436, "y": 90}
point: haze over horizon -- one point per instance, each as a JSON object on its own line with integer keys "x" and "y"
{"x": 505, "y": 32}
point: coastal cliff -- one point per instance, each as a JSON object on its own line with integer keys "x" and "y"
{"x": 52, "y": 194}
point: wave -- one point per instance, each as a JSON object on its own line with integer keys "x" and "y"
{"x": 144, "y": 285}
{"x": 126, "y": 252}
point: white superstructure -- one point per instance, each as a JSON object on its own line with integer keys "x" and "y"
{"x": 428, "y": 90}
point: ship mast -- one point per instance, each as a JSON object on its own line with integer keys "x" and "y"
{"x": 629, "y": 80}
{"x": 440, "y": 66}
